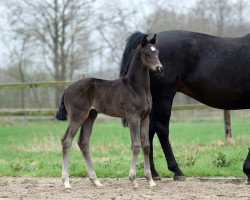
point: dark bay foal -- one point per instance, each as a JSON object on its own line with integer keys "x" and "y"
{"x": 128, "y": 97}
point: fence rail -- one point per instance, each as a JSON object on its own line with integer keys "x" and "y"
{"x": 52, "y": 111}
{"x": 27, "y": 112}
{"x": 34, "y": 85}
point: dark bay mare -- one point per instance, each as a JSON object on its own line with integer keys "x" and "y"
{"x": 246, "y": 167}
{"x": 128, "y": 97}
{"x": 212, "y": 70}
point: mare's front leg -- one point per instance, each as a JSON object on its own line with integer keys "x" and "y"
{"x": 154, "y": 173}
{"x": 159, "y": 123}
{"x": 246, "y": 167}
{"x": 163, "y": 135}
{"x": 134, "y": 125}
{"x": 146, "y": 150}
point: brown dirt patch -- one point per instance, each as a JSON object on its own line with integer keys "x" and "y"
{"x": 114, "y": 189}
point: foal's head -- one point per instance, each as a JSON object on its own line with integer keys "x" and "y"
{"x": 149, "y": 54}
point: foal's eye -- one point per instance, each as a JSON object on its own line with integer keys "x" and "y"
{"x": 148, "y": 58}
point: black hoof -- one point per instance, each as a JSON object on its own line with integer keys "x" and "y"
{"x": 156, "y": 178}
{"x": 155, "y": 175}
{"x": 248, "y": 182}
{"x": 179, "y": 178}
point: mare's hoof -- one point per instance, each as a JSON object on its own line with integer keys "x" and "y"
{"x": 156, "y": 178}
{"x": 155, "y": 175}
{"x": 179, "y": 178}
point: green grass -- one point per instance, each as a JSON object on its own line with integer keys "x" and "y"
{"x": 33, "y": 148}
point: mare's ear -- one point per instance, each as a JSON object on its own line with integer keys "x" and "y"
{"x": 144, "y": 40}
{"x": 154, "y": 39}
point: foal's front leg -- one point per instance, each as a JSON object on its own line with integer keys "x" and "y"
{"x": 134, "y": 125}
{"x": 146, "y": 150}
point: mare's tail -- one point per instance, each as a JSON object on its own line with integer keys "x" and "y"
{"x": 132, "y": 42}
{"x": 62, "y": 113}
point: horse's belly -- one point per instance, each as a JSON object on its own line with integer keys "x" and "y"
{"x": 219, "y": 96}
{"x": 227, "y": 104}
{"x": 109, "y": 109}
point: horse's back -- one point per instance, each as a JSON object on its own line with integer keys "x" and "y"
{"x": 213, "y": 70}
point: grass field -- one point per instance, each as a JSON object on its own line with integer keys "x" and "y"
{"x": 33, "y": 148}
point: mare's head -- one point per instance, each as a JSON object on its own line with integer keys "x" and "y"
{"x": 149, "y": 54}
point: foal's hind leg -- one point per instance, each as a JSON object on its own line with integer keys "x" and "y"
{"x": 146, "y": 150}
{"x": 83, "y": 143}
{"x": 134, "y": 125}
{"x": 66, "y": 145}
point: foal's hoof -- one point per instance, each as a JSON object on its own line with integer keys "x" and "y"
{"x": 152, "y": 184}
{"x": 134, "y": 185}
{"x": 179, "y": 178}
{"x": 98, "y": 183}
{"x": 247, "y": 182}
{"x": 67, "y": 186}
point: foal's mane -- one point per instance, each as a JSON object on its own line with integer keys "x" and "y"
{"x": 132, "y": 42}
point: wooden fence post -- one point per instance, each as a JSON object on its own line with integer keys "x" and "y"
{"x": 228, "y": 129}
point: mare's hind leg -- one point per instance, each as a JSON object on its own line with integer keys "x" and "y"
{"x": 66, "y": 145}
{"x": 146, "y": 150}
{"x": 83, "y": 143}
{"x": 134, "y": 125}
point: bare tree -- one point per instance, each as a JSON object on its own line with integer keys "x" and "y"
{"x": 115, "y": 26}
{"x": 17, "y": 67}
{"x": 227, "y": 18}
{"x": 57, "y": 30}
{"x": 221, "y": 11}
{"x": 240, "y": 20}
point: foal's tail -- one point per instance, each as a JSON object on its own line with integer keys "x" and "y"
{"x": 132, "y": 42}
{"x": 62, "y": 112}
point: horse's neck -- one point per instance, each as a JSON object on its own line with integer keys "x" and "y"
{"x": 138, "y": 75}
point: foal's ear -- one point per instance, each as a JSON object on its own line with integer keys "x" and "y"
{"x": 154, "y": 39}
{"x": 144, "y": 40}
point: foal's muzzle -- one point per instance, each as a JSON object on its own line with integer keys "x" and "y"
{"x": 159, "y": 70}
